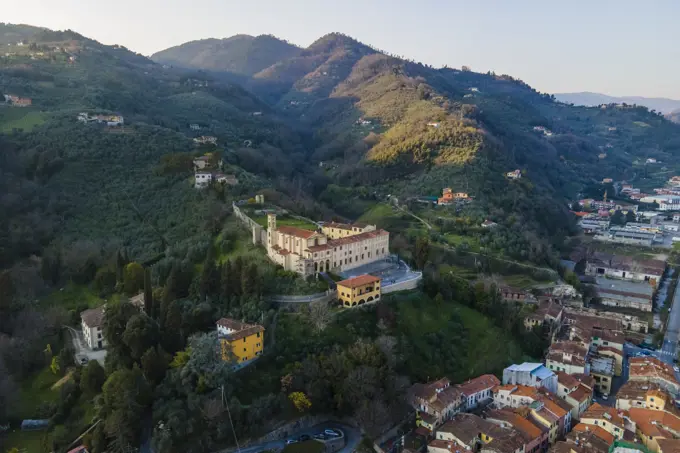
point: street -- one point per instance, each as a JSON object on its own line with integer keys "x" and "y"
{"x": 81, "y": 350}
{"x": 352, "y": 435}
{"x": 668, "y": 349}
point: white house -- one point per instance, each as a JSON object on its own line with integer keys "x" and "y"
{"x": 202, "y": 179}
{"x": 478, "y": 390}
{"x": 516, "y": 174}
{"x": 194, "y": 127}
{"x": 92, "y": 324}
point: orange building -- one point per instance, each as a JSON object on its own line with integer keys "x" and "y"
{"x": 449, "y": 196}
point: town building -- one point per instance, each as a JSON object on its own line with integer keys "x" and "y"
{"x": 570, "y": 357}
{"x": 549, "y": 313}
{"x": 631, "y": 236}
{"x": 655, "y": 426}
{"x": 530, "y": 374}
{"x": 245, "y": 342}
{"x": 602, "y": 369}
{"x": 308, "y": 252}
{"x": 607, "y": 418}
{"x": 470, "y": 432}
{"x": 589, "y": 439}
{"x": 666, "y": 202}
{"x": 435, "y": 402}
{"x": 595, "y": 225}
{"x": 358, "y": 290}
{"x": 535, "y": 436}
{"x": 642, "y": 394}
{"x": 625, "y": 268}
{"x": 479, "y": 390}
{"x": 575, "y": 393}
{"x": 206, "y": 140}
{"x": 449, "y": 196}
{"x": 621, "y": 321}
{"x": 92, "y": 324}
{"x": 18, "y": 101}
{"x": 653, "y": 370}
{"x": 194, "y": 127}
{"x": 108, "y": 120}
{"x": 488, "y": 224}
{"x": 336, "y": 230}
{"x": 515, "y": 174}
{"x": 626, "y": 294}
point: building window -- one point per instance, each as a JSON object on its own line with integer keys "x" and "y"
{"x": 244, "y": 349}
{"x": 244, "y": 340}
{"x": 362, "y": 256}
{"x": 258, "y": 335}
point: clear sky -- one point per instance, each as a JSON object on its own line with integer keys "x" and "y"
{"x": 616, "y": 47}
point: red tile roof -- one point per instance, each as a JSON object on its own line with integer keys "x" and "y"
{"x": 359, "y": 281}
{"x": 241, "y": 330}
{"x": 93, "y": 317}
{"x": 485, "y": 381}
{"x": 596, "y": 430}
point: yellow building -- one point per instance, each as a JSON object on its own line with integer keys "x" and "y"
{"x": 358, "y": 290}
{"x": 336, "y": 230}
{"x": 244, "y": 341}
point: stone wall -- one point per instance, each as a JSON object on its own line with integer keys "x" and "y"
{"x": 403, "y": 286}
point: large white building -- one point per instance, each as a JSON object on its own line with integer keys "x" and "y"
{"x": 337, "y": 247}
{"x": 666, "y": 202}
{"x": 92, "y": 321}
{"x": 532, "y": 375}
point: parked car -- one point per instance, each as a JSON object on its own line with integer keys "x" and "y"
{"x": 83, "y": 360}
{"x": 304, "y": 437}
{"x": 605, "y": 396}
{"x": 291, "y": 441}
{"x": 331, "y": 433}
{"x": 676, "y": 369}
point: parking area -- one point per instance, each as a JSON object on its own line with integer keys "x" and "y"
{"x": 392, "y": 271}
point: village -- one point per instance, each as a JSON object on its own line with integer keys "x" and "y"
{"x": 648, "y": 220}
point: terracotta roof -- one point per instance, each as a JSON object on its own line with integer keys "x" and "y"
{"x": 485, "y": 381}
{"x": 567, "y": 380}
{"x": 555, "y": 405}
{"x": 529, "y": 430}
{"x": 597, "y": 411}
{"x": 635, "y": 390}
{"x": 93, "y": 317}
{"x": 651, "y": 419}
{"x": 463, "y": 427}
{"x": 332, "y": 243}
{"x": 241, "y": 330}
{"x": 651, "y": 367}
{"x": 596, "y": 430}
{"x": 295, "y": 231}
{"x": 359, "y": 281}
{"x": 601, "y": 349}
{"x": 443, "y": 444}
{"x": 585, "y": 379}
{"x": 669, "y": 445}
{"x": 581, "y": 394}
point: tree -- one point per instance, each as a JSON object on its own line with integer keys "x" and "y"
{"x": 116, "y": 318}
{"x": 210, "y": 276}
{"x": 141, "y": 333}
{"x": 92, "y": 378}
{"x": 155, "y": 362}
{"x": 422, "y": 251}
{"x": 250, "y": 280}
{"x": 617, "y": 218}
{"x": 133, "y": 278}
{"x": 300, "y": 401}
{"x": 630, "y": 216}
{"x": 105, "y": 280}
{"x": 125, "y": 397}
{"x": 148, "y": 295}
{"x": 320, "y": 315}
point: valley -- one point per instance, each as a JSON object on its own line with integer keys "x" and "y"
{"x": 185, "y": 214}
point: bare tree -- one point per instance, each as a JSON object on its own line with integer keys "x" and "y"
{"x": 319, "y": 315}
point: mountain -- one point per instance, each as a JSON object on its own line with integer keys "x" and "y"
{"x": 240, "y": 54}
{"x": 662, "y": 105}
{"x": 15, "y": 33}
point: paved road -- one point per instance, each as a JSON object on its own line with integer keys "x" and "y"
{"x": 669, "y": 347}
{"x": 352, "y": 435}
{"x": 81, "y": 349}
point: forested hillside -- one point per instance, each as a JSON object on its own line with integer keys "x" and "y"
{"x": 241, "y": 54}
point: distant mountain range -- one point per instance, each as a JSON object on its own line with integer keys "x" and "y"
{"x": 663, "y": 105}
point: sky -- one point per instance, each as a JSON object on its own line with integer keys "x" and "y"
{"x": 615, "y": 47}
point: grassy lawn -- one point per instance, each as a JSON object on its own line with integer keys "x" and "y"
{"x": 73, "y": 296}
{"x": 26, "y": 441}
{"x": 522, "y": 281}
{"x": 457, "y": 239}
{"x": 286, "y": 221}
{"x": 377, "y": 213}
{"x": 20, "y": 118}
{"x": 36, "y": 391}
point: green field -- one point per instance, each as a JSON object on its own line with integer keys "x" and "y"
{"x": 20, "y": 118}
{"x": 37, "y": 390}
{"x": 26, "y": 441}
{"x": 72, "y": 297}
{"x": 286, "y": 221}
{"x": 459, "y": 240}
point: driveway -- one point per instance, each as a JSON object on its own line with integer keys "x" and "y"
{"x": 352, "y": 436}
{"x": 81, "y": 349}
